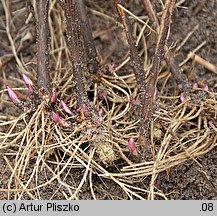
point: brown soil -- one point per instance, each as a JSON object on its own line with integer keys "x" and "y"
{"x": 193, "y": 177}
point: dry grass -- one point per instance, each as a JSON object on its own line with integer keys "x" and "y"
{"x": 180, "y": 131}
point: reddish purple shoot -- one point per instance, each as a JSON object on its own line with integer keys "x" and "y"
{"x": 132, "y": 147}
{"x": 53, "y": 97}
{"x": 28, "y": 83}
{"x": 13, "y": 96}
{"x": 85, "y": 110}
{"x": 205, "y": 86}
{"x": 65, "y": 107}
{"x": 100, "y": 118}
{"x": 60, "y": 120}
{"x": 195, "y": 86}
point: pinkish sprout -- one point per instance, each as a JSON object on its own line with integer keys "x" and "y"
{"x": 53, "y": 97}
{"x": 27, "y": 80}
{"x": 205, "y": 86}
{"x": 85, "y": 110}
{"x": 132, "y": 147}
{"x": 195, "y": 86}
{"x": 113, "y": 66}
{"x": 56, "y": 117}
{"x": 31, "y": 90}
{"x": 131, "y": 144}
{"x": 29, "y": 83}
{"x": 65, "y": 107}
{"x": 13, "y": 96}
{"x": 100, "y": 118}
{"x": 59, "y": 120}
{"x": 183, "y": 97}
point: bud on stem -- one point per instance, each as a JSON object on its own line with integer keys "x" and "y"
{"x": 13, "y": 96}
{"x": 85, "y": 110}
{"x": 28, "y": 83}
{"x": 195, "y": 86}
{"x": 100, "y": 118}
{"x": 53, "y": 97}
{"x": 205, "y": 86}
{"x": 60, "y": 120}
{"x": 65, "y": 107}
{"x": 132, "y": 147}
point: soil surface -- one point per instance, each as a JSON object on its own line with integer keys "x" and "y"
{"x": 194, "y": 178}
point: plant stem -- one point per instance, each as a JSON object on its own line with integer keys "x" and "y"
{"x": 43, "y": 79}
{"x": 178, "y": 75}
{"x": 134, "y": 53}
{"x": 152, "y": 82}
{"x": 135, "y": 60}
{"x": 93, "y": 63}
{"x": 76, "y": 48}
{"x": 151, "y": 14}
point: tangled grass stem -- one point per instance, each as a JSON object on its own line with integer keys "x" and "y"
{"x": 39, "y": 154}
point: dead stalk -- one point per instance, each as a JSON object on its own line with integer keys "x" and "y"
{"x": 151, "y": 14}
{"x": 134, "y": 53}
{"x": 92, "y": 59}
{"x": 43, "y": 79}
{"x": 76, "y": 48}
{"x": 178, "y": 75}
{"x": 152, "y": 81}
{"x": 135, "y": 61}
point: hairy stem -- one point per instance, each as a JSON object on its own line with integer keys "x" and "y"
{"x": 134, "y": 53}
{"x": 76, "y": 48}
{"x": 151, "y": 14}
{"x": 152, "y": 82}
{"x": 93, "y": 63}
{"x": 43, "y": 79}
{"x": 135, "y": 61}
{"x": 178, "y": 75}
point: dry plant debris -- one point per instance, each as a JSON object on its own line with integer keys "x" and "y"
{"x": 97, "y": 133}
